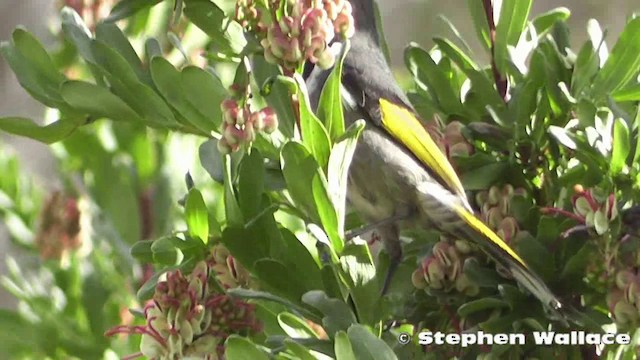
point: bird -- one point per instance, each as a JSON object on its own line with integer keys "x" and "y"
{"x": 399, "y": 178}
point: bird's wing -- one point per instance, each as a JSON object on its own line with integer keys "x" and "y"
{"x": 402, "y": 124}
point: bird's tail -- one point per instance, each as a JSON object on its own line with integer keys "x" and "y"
{"x": 475, "y": 230}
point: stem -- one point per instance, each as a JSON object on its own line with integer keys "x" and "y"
{"x": 502, "y": 84}
{"x": 556, "y": 211}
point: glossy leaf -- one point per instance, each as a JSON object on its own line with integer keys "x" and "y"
{"x": 197, "y": 216}
{"x": 623, "y": 63}
{"x": 513, "y": 18}
{"x": 241, "y": 348}
{"x": 167, "y": 80}
{"x": 314, "y": 134}
{"x": 621, "y": 146}
{"x": 343, "y": 348}
{"x": 330, "y": 109}
{"x": 338, "y": 169}
{"x": 308, "y": 187}
{"x": 125, "y": 8}
{"x": 47, "y": 134}
{"x": 368, "y": 346}
{"x": 427, "y": 73}
{"x": 97, "y": 101}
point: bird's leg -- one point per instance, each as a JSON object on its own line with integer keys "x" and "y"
{"x": 378, "y": 224}
{"x": 390, "y": 235}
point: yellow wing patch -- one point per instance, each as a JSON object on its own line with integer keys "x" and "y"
{"x": 483, "y": 229}
{"x": 406, "y": 128}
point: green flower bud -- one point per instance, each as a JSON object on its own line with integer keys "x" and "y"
{"x": 466, "y": 287}
{"x": 582, "y": 206}
{"x": 481, "y": 198}
{"x": 494, "y": 195}
{"x": 625, "y": 313}
{"x": 624, "y": 278}
{"x": 463, "y": 246}
{"x": 223, "y": 147}
{"x": 186, "y": 332}
{"x": 601, "y": 222}
{"x": 418, "y": 280}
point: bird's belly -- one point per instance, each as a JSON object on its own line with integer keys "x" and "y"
{"x": 383, "y": 178}
{"x": 384, "y": 181}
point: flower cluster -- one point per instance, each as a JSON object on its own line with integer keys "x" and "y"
{"x": 187, "y": 319}
{"x": 91, "y": 11}
{"x": 495, "y": 210}
{"x": 450, "y": 140}
{"x": 624, "y": 300}
{"x": 250, "y": 15}
{"x": 443, "y": 269}
{"x": 454, "y": 141}
{"x": 229, "y": 273}
{"x": 240, "y": 124}
{"x": 59, "y": 231}
{"x": 306, "y": 31}
{"x": 594, "y": 210}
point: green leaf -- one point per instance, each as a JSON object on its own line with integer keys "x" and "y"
{"x": 267, "y": 296}
{"x": 308, "y": 187}
{"x": 165, "y": 252}
{"x": 34, "y": 52}
{"x": 545, "y": 21}
{"x": 112, "y": 35}
{"x": 251, "y": 184}
{"x": 480, "y": 82}
{"x": 205, "y": 92}
{"x": 47, "y": 134}
{"x": 125, "y": 84}
{"x": 478, "y": 305}
{"x": 363, "y": 281}
{"x": 279, "y": 97}
{"x": 483, "y": 177}
{"x": 513, "y": 18}
{"x": 225, "y": 34}
{"x": 295, "y": 327}
{"x": 241, "y": 348}
{"x": 314, "y": 135}
{"x": 428, "y": 74}
{"x": 211, "y": 160}
{"x": 231, "y": 207}
{"x": 480, "y": 24}
{"x": 337, "y": 314}
{"x": 343, "y": 348}
{"x": 623, "y": 63}
{"x": 142, "y": 252}
{"x": 77, "y": 32}
{"x": 167, "y": 80}
{"x": 97, "y": 101}
{"x": 330, "y": 106}
{"x": 338, "y": 169}
{"x": 34, "y": 69}
{"x": 197, "y": 216}
{"x": 629, "y": 93}
{"x": 125, "y": 8}
{"x": 621, "y": 146}
{"x": 368, "y": 346}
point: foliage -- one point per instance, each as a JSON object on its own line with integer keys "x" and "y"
{"x": 544, "y": 138}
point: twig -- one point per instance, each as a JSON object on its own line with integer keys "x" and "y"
{"x": 501, "y": 82}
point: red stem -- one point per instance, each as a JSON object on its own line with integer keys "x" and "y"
{"x": 501, "y": 83}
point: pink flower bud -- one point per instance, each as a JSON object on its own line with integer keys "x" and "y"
{"x": 270, "y": 120}
{"x": 624, "y": 278}
{"x": 417, "y": 279}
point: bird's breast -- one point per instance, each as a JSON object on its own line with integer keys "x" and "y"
{"x": 385, "y": 180}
